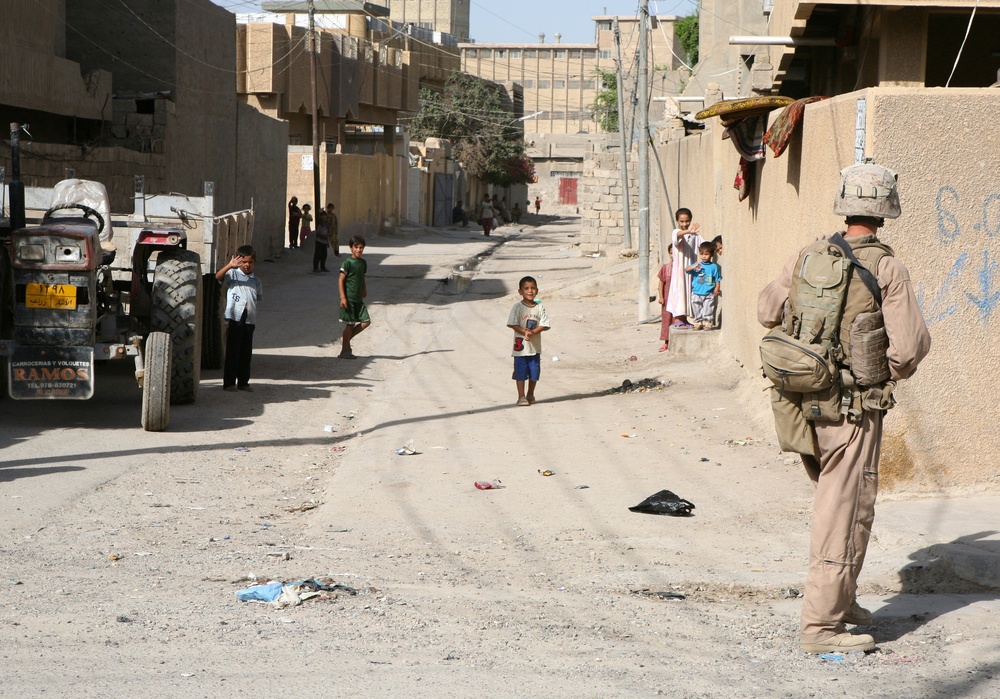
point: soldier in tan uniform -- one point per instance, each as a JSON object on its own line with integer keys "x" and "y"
{"x": 843, "y": 462}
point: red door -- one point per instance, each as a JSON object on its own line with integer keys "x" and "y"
{"x": 567, "y": 190}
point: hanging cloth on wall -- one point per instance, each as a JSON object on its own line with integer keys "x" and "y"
{"x": 788, "y": 121}
{"x": 748, "y": 137}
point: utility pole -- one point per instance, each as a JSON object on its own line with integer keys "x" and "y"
{"x": 626, "y": 210}
{"x": 643, "y": 90}
{"x": 313, "y": 51}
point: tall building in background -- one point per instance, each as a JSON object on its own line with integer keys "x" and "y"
{"x": 446, "y": 16}
{"x": 561, "y": 81}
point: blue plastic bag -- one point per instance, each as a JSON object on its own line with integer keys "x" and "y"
{"x": 262, "y": 593}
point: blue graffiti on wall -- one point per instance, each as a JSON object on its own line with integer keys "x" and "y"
{"x": 987, "y": 285}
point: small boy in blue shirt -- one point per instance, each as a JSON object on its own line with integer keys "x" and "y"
{"x": 705, "y": 288}
{"x": 243, "y": 292}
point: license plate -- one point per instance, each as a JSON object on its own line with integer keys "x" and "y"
{"x": 60, "y": 296}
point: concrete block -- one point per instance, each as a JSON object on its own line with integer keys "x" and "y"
{"x": 693, "y": 343}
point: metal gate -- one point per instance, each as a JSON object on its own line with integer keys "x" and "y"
{"x": 443, "y": 186}
{"x": 567, "y": 190}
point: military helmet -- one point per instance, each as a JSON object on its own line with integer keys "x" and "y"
{"x": 867, "y": 189}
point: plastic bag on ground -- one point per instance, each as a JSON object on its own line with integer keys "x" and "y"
{"x": 664, "y": 503}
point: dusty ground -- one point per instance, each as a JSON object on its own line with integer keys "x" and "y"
{"x": 122, "y": 550}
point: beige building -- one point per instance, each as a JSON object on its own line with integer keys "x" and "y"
{"x": 561, "y": 81}
{"x": 444, "y": 16}
{"x": 362, "y": 86}
{"x": 884, "y": 64}
{"x": 137, "y": 89}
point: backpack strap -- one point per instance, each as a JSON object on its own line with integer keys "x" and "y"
{"x": 866, "y": 277}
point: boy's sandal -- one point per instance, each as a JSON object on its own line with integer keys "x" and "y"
{"x": 664, "y": 348}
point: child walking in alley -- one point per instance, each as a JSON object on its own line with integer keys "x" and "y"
{"x": 706, "y": 285}
{"x": 527, "y": 319}
{"x": 243, "y": 292}
{"x": 353, "y": 311}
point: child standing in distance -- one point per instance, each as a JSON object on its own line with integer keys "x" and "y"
{"x": 353, "y": 311}
{"x": 486, "y": 214}
{"x": 294, "y": 220}
{"x": 321, "y": 239}
{"x": 243, "y": 292}
{"x": 685, "y": 240}
{"x": 706, "y": 284}
{"x": 306, "y": 227}
{"x": 527, "y": 319}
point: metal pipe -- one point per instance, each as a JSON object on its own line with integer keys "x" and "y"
{"x": 643, "y": 90}
{"x": 780, "y": 41}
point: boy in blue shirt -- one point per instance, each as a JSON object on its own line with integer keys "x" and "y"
{"x": 243, "y": 292}
{"x": 705, "y": 288}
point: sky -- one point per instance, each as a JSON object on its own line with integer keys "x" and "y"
{"x": 519, "y": 21}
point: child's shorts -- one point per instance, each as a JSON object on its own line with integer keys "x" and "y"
{"x": 356, "y": 312}
{"x": 527, "y": 368}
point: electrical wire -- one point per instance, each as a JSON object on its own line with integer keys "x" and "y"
{"x": 961, "y": 48}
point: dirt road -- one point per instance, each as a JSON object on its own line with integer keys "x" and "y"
{"x": 123, "y": 550}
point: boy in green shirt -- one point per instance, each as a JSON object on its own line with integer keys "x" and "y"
{"x": 352, "y": 290}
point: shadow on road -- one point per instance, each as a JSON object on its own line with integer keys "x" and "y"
{"x": 931, "y": 587}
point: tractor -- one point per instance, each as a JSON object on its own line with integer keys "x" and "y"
{"x": 65, "y": 307}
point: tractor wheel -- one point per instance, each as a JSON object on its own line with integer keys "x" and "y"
{"x": 212, "y": 345}
{"x": 176, "y": 310}
{"x": 156, "y": 383}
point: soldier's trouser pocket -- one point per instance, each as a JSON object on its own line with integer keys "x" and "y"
{"x": 794, "y": 432}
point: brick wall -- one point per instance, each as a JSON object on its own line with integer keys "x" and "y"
{"x": 601, "y": 200}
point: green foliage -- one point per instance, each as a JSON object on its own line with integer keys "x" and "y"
{"x": 478, "y": 118}
{"x": 686, "y": 30}
{"x": 605, "y": 107}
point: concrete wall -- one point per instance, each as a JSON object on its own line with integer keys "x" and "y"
{"x": 35, "y": 73}
{"x": 262, "y": 179}
{"x": 365, "y": 189}
{"x": 940, "y": 436}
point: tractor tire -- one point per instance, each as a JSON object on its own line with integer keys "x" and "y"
{"x": 156, "y": 383}
{"x": 176, "y": 309}
{"x": 212, "y": 343}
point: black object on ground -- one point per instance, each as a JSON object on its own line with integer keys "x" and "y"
{"x": 664, "y": 503}
{"x": 640, "y": 387}
{"x": 659, "y": 594}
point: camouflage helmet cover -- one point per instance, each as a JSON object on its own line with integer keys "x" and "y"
{"x": 867, "y": 190}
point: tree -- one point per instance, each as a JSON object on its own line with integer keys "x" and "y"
{"x": 686, "y": 30}
{"x": 477, "y": 116}
{"x": 605, "y": 108}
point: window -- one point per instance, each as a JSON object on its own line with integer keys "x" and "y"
{"x": 529, "y": 84}
{"x": 558, "y": 83}
{"x": 501, "y": 53}
{"x": 557, "y": 115}
{"x": 575, "y": 53}
{"x": 588, "y": 84}
{"x": 471, "y": 53}
{"x": 515, "y": 53}
{"x": 574, "y": 84}
{"x": 604, "y": 26}
{"x": 530, "y": 53}
{"x": 485, "y": 53}
{"x": 560, "y": 53}
{"x": 543, "y": 84}
{"x": 591, "y": 53}
{"x": 605, "y": 54}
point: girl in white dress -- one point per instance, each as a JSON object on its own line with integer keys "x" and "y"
{"x": 685, "y": 240}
